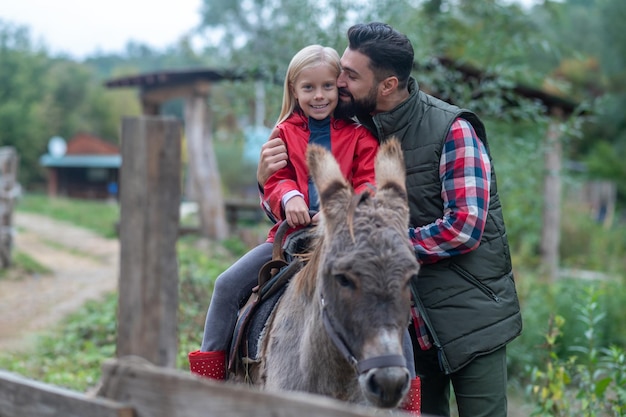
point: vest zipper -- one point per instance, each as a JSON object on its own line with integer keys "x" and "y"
{"x": 472, "y": 280}
{"x": 441, "y": 355}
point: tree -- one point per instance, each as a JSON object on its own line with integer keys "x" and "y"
{"x": 22, "y": 89}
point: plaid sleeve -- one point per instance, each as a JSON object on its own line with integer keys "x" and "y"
{"x": 465, "y": 173}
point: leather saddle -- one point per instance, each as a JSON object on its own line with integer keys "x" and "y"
{"x": 272, "y": 282}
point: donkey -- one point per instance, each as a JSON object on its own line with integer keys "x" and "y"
{"x": 337, "y": 329}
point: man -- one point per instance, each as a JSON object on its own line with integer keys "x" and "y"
{"x": 467, "y": 307}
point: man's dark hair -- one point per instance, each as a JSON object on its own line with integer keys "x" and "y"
{"x": 390, "y": 52}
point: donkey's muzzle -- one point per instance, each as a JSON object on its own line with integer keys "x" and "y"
{"x": 385, "y": 387}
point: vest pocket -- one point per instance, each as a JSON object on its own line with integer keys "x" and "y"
{"x": 474, "y": 281}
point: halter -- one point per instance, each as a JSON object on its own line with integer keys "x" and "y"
{"x": 365, "y": 365}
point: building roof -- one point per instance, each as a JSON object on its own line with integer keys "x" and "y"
{"x": 86, "y": 144}
{"x": 85, "y": 151}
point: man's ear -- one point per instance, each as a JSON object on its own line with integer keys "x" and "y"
{"x": 389, "y": 85}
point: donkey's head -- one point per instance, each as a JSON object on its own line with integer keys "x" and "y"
{"x": 366, "y": 264}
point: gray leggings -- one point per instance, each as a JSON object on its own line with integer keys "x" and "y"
{"x": 234, "y": 286}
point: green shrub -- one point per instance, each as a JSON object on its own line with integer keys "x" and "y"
{"x": 587, "y": 382}
{"x": 586, "y": 244}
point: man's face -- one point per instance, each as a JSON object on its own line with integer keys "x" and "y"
{"x": 358, "y": 88}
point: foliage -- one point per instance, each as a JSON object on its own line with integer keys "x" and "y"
{"x": 199, "y": 265}
{"x": 239, "y": 174}
{"x": 541, "y": 300}
{"x": 96, "y": 216}
{"x": 517, "y": 155}
{"x": 22, "y": 85}
{"x": 589, "y": 245}
{"x": 71, "y": 355}
{"x": 590, "y": 382}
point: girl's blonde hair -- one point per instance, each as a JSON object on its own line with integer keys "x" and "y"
{"x": 308, "y": 57}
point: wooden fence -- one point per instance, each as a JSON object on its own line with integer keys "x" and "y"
{"x": 131, "y": 387}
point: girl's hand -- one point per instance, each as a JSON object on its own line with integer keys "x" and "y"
{"x": 297, "y": 212}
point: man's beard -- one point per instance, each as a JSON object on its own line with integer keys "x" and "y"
{"x": 362, "y": 108}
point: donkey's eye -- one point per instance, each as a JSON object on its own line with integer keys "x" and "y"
{"x": 344, "y": 281}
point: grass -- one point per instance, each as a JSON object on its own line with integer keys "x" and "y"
{"x": 97, "y": 216}
{"x": 23, "y": 265}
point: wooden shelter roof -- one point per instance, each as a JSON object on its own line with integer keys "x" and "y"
{"x": 174, "y": 77}
{"x": 157, "y": 87}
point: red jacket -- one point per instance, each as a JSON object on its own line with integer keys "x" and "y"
{"x": 352, "y": 145}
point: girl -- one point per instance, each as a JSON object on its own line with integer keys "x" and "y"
{"x": 309, "y": 99}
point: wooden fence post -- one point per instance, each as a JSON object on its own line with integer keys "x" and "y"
{"x": 551, "y": 226}
{"x": 9, "y": 191}
{"x": 150, "y": 191}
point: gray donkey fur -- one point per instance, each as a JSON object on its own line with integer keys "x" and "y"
{"x": 360, "y": 266}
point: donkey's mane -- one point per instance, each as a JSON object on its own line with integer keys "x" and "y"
{"x": 304, "y": 282}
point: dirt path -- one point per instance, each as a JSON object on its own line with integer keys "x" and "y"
{"x": 84, "y": 266}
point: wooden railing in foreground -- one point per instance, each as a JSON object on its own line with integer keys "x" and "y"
{"x": 133, "y": 387}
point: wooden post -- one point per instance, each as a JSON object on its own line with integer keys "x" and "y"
{"x": 150, "y": 200}
{"x": 203, "y": 167}
{"x": 551, "y": 228}
{"x": 9, "y": 191}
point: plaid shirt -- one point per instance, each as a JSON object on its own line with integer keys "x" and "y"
{"x": 465, "y": 172}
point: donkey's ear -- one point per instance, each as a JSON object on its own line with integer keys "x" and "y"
{"x": 333, "y": 189}
{"x": 391, "y": 176}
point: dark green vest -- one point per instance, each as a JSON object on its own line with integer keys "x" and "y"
{"x": 470, "y": 300}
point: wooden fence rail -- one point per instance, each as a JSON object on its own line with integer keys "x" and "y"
{"x": 134, "y": 387}
{"x": 20, "y": 397}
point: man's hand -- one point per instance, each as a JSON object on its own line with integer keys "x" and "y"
{"x": 273, "y": 158}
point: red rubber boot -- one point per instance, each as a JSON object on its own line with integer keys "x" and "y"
{"x": 208, "y": 364}
{"x": 413, "y": 400}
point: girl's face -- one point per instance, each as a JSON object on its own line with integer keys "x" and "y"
{"x": 315, "y": 89}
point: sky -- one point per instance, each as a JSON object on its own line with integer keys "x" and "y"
{"x": 80, "y": 28}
